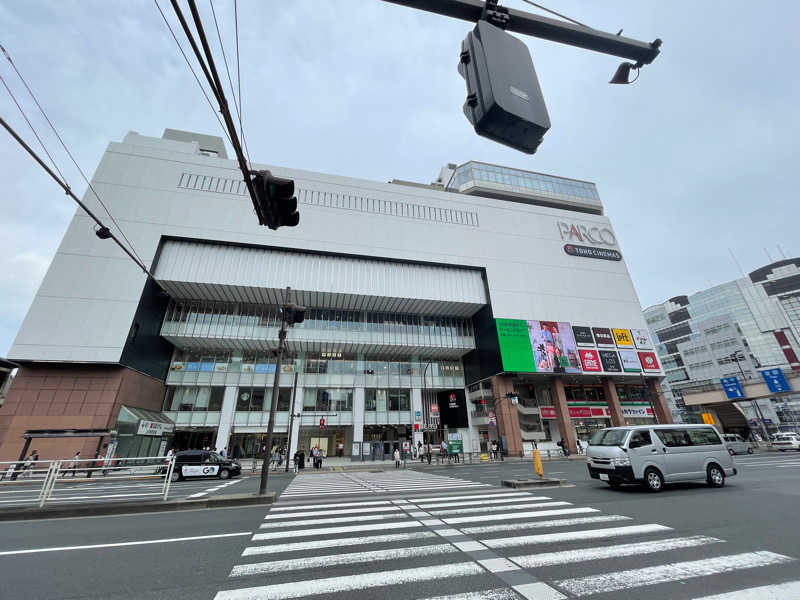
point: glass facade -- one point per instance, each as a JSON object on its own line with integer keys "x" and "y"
{"x": 475, "y": 173}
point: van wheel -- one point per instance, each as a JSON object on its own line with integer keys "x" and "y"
{"x": 749, "y": 450}
{"x": 176, "y": 476}
{"x": 653, "y": 480}
{"x": 715, "y": 476}
{"x": 224, "y": 474}
{"x": 731, "y": 452}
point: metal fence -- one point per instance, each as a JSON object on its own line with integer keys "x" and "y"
{"x": 65, "y": 481}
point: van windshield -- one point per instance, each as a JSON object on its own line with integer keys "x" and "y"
{"x": 609, "y": 437}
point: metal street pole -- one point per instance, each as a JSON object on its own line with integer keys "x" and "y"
{"x": 753, "y": 402}
{"x": 274, "y": 402}
{"x": 291, "y": 421}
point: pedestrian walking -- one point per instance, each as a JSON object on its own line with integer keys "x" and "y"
{"x": 443, "y": 451}
{"x": 397, "y": 458}
{"x": 494, "y": 450}
{"x": 580, "y": 446}
{"x": 299, "y": 460}
{"x": 340, "y": 449}
{"x": 428, "y": 451}
{"x": 74, "y": 465}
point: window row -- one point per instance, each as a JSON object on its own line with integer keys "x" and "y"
{"x": 389, "y": 399}
{"x": 209, "y": 183}
{"x": 194, "y": 399}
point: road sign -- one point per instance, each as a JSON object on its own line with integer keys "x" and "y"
{"x": 776, "y": 382}
{"x": 708, "y": 418}
{"x": 406, "y": 446}
{"x": 733, "y": 389}
{"x": 418, "y": 415}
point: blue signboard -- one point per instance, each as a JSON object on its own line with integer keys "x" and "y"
{"x": 733, "y": 389}
{"x": 776, "y": 382}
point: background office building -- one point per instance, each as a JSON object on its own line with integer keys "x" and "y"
{"x": 733, "y": 329}
{"x": 491, "y": 304}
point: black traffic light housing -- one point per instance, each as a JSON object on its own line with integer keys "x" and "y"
{"x": 276, "y": 203}
{"x": 294, "y": 314}
{"x": 504, "y": 101}
{"x": 321, "y": 423}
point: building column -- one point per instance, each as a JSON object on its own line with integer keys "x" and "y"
{"x": 295, "y": 433}
{"x": 226, "y": 418}
{"x": 472, "y": 443}
{"x": 612, "y": 400}
{"x": 416, "y": 405}
{"x": 659, "y": 401}
{"x": 507, "y": 414}
{"x": 565, "y": 427}
{"x": 358, "y": 419}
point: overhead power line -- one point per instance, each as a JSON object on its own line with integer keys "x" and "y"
{"x": 103, "y": 231}
{"x": 71, "y": 157}
{"x": 552, "y": 12}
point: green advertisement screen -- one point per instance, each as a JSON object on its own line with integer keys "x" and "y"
{"x": 515, "y": 345}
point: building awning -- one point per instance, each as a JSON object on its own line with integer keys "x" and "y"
{"x": 66, "y": 433}
{"x": 147, "y": 415}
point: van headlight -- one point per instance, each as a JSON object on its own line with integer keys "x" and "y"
{"x": 622, "y": 462}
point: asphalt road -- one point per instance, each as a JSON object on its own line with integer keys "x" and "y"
{"x": 427, "y": 532}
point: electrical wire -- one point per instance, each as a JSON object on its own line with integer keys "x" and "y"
{"x": 71, "y": 157}
{"x": 552, "y": 12}
{"x": 196, "y": 78}
{"x": 238, "y": 72}
{"x": 236, "y": 104}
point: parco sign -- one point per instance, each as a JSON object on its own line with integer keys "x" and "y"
{"x": 572, "y": 232}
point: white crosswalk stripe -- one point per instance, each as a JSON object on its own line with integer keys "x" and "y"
{"x": 472, "y": 545}
{"x": 329, "y": 484}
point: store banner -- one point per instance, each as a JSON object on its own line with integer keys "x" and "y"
{"x": 602, "y": 336}
{"x": 554, "y": 347}
{"x": 641, "y": 338}
{"x": 623, "y": 338}
{"x": 154, "y": 428}
{"x": 649, "y": 361}
{"x": 583, "y": 335}
{"x": 630, "y": 361}
{"x": 515, "y": 345}
{"x": 578, "y": 411}
{"x": 636, "y": 412}
{"x": 610, "y": 361}
{"x": 590, "y": 361}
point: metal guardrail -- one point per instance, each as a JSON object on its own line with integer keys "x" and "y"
{"x": 49, "y": 473}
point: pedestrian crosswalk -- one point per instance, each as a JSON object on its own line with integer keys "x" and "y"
{"x": 335, "y": 484}
{"x": 466, "y": 544}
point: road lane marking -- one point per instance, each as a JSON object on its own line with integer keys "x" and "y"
{"x": 579, "y": 535}
{"x": 332, "y": 560}
{"x": 122, "y": 544}
{"x": 334, "y": 530}
{"x": 331, "y": 585}
{"x": 517, "y": 515}
{"x": 336, "y": 542}
{"x": 621, "y": 580}
{"x": 360, "y": 511}
{"x": 495, "y": 594}
{"x": 467, "y": 497}
{"x": 563, "y": 557}
{"x": 332, "y": 520}
{"x": 491, "y": 509}
{"x": 779, "y": 591}
{"x": 335, "y": 505}
{"x": 543, "y": 524}
{"x": 525, "y": 498}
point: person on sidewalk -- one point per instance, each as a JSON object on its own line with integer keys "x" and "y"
{"x": 428, "y": 451}
{"x": 299, "y": 460}
{"x": 420, "y": 452}
{"x": 74, "y": 465}
{"x": 443, "y": 451}
{"x": 340, "y": 449}
{"x": 397, "y": 458}
{"x": 580, "y": 446}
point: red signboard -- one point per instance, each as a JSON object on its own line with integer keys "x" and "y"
{"x": 590, "y": 361}
{"x": 649, "y": 361}
{"x": 575, "y": 412}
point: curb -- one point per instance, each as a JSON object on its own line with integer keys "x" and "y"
{"x": 526, "y": 483}
{"x": 130, "y": 508}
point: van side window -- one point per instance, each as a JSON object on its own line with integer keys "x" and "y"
{"x": 674, "y": 438}
{"x": 640, "y": 437}
{"x": 704, "y": 437}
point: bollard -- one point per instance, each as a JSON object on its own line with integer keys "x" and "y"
{"x": 537, "y": 463}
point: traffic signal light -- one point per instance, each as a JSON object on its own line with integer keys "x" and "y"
{"x": 504, "y": 101}
{"x": 321, "y": 423}
{"x": 276, "y": 203}
{"x": 416, "y": 426}
{"x": 294, "y": 314}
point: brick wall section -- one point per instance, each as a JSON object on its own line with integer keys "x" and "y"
{"x": 65, "y": 396}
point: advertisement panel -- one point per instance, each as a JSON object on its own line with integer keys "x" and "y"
{"x": 515, "y": 345}
{"x": 649, "y": 361}
{"x": 554, "y": 348}
{"x": 590, "y": 361}
{"x": 610, "y": 361}
{"x": 452, "y": 405}
{"x": 583, "y": 335}
{"x": 593, "y": 411}
{"x": 602, "y": 336}
{"x": 623, "y": 338}
{"x": 630, "y": 361}
{"x": 641, "y": 338}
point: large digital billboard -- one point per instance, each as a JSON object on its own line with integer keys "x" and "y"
{"x": 515, "y": 345}
{"x": 554, "y": 348}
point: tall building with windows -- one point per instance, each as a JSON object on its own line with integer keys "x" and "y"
{"x": 732, "y": 329}
{"x": 492, "y": 304}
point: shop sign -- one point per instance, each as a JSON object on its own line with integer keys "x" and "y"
{"x": 597, "y": 412}
{"x": 642, "y": 338}
{"x": 649, "y": 361}
{"x": 590, "y": 361}
{"x": 636, "y": 412}
{"x": 610, "y": 361}
{"x": 154, "y": 428}
{"x": 623, "y": 338}
{"x": 603, "y": 337}
{"x": 589, "y": 252}
{"x": 583, "y": 335}
{"x": 452, "y": 401}
{"x": 554, "y": 348}
{"x": 630, "y": 361}
{"x": 406, "y": 446}
{"x": 592, "y": 234}
{"x": 455, "y": 446}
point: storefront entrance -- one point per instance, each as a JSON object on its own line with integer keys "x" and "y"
{"x": 250, "y": 445}
{"x": 331, "y": 442}
{"x": 380, "y": 441}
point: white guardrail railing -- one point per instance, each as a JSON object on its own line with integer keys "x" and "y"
{"x": 67, "y": 480}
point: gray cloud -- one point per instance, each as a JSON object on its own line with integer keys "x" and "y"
{"x": 696, "y": 158}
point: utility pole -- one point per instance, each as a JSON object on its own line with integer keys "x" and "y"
{"x": 291, "y": 421}
{"x": 290, "y": 314}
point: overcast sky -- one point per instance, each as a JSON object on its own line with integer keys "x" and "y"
{"x": 694, "y": 159}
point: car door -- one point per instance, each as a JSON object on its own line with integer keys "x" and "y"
{"x": 677, "y": 454}
{"x": 211, "y": 464}
{"x": 643, "y": 452}
{"x": 190, "y": 464}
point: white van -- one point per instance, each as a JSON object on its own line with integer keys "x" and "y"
{"x": 737, "y": 444}
{"x": 658, "y": 454}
